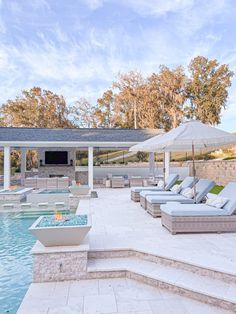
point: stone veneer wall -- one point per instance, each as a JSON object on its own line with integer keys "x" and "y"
{"x": 221, "y": 171}
{"x": 59, "y": 266}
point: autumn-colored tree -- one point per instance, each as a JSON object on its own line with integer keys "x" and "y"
{"x": 171, "y": 90}
{"x": 128, "y": 99}
{"x": 105, "y": 110}
{"x": 36, "y": 108}
{"x": 207, "y": 89}
{"x": 84, "y": 114}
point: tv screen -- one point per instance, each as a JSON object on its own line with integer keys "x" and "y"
{"x": 56, "y": 158}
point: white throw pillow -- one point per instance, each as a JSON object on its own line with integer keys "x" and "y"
{"x": 187, "y": 192}
{"x": 160, "y": 184}
{"x": 176, "y": 188}
{"x": 217, "y": 201}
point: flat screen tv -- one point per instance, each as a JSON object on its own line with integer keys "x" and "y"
{"x": 56, "y": 158}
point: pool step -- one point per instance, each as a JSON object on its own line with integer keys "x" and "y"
{"x": 183, "y": 282}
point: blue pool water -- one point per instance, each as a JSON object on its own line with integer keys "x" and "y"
{"x": 55, "y": 191}
{"x": 15, "y": 261}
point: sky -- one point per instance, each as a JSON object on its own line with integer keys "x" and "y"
{"x": 76, "y": 48}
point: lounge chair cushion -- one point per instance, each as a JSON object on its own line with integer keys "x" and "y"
{"x": 145, "y": 188}
{"x": 163, "y": 199}
{"x": 176, "y": 188}
{"x": 187, "y": 192}
{"x": 229, "y": 192}
{"x": 188, "y": 182}
{"x": 217, "y": 201}
{"x": 156, "y": 193}
{"x": 188, "y": 210}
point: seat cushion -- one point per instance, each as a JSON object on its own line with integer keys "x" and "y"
{"x": 163, "y": 199}
{"x": 146, "y": 188}
{"x": 188, "y": 210}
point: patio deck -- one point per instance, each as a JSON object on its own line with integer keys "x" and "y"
{"x": 119, "y": 223}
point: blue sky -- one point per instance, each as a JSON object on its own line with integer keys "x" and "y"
{"x": 77, "y": 47}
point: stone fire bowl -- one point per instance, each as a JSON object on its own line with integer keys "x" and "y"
{"x": 60, "y": 235}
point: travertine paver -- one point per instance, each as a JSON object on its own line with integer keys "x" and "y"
{"x": 121, "y": 296}
{"x": 119, "y": 222}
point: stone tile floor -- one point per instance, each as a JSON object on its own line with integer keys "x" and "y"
{"x": 118, "y": 223}
{"x": 121, "y": 296}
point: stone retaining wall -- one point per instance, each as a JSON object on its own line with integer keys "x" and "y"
{"x": 221, "y": 171}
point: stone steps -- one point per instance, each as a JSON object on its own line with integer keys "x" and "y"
{"x": 179, "y": 264}
{"x": 181, "y": 281}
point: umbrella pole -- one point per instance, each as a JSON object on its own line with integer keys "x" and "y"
{"x": 194, "y": 174}
{"x": 164, "y": 169}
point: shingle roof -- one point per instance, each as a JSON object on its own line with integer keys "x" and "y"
{"x": 75, "y": 135}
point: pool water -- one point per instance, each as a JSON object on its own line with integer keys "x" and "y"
{"x": 11, "y": 191}
{"x": 16, "y": 242}
{"x": 55, "y": 191}
{"x": 30, "y": 214}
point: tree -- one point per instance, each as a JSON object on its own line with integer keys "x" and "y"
{"x": 207, "y": 89}
{"x": 127, "y": 100}
{"x": 105, "y": 109}
{"x": 36, "y": 108}
{"x": 171, "y": 89}
{"x": 84, "y": 114}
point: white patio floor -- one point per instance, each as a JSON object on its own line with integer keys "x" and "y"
{"x": 118, "y": 296}
{"x": 120, "y": 223}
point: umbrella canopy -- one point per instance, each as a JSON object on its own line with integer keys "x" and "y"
{"x": 145, "y": 146}
{"x": 188, "y": 134}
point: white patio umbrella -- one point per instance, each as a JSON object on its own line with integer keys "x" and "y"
{"x": 191, "y": 136}
{"x": 144, "y": 147}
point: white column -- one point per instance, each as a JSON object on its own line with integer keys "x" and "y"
{"x": 90, "y": 167}
{"x": 23, "y": 165}
{"x": 152, "y": 165}
{"x": 7, "y": 167}
{"x": 167, "y": 164}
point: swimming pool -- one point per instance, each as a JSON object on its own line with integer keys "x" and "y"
{"x": 49, "y": 196}
{"x": 16, "y": 242}
{"x": 54, "y": 191}
{"x": 15, "y": 261}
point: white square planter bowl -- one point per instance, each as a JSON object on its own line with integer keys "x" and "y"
{"x": 60, "y": 235}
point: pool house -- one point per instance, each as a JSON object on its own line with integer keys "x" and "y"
{"x": 57, "y": 148}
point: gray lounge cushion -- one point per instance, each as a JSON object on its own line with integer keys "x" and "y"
{"x": 170, "y": 181}
{"x": 163, "y": 199}
{"x": 189, "y": 210}
{"x": 177, "y": 209}
{"x": 203, "y": 186}
{"x": 145, "y": 188}
{"x": 187, "y": 182}
{"x": 229, "y": 192}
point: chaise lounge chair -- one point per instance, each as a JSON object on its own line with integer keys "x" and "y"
{"x": 170, "y": 181}
{"x": 203, "y": 186}
{"x": 185, "y": 218}
{"x": 186, "y": 183}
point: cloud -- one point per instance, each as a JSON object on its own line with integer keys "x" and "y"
{"x": 94, "y": 4}
{"x": 157, "y": 7}
{"x": 77, "y": 50}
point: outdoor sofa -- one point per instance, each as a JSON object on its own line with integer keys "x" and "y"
{"x": 47, "y": 183}
{"x": 203, "y": 187}
{"x": 170, "y": 181}
{"x": 186, "y": 183}
{"x": 135, "y": 181}
{"x": 186, "y": 218}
